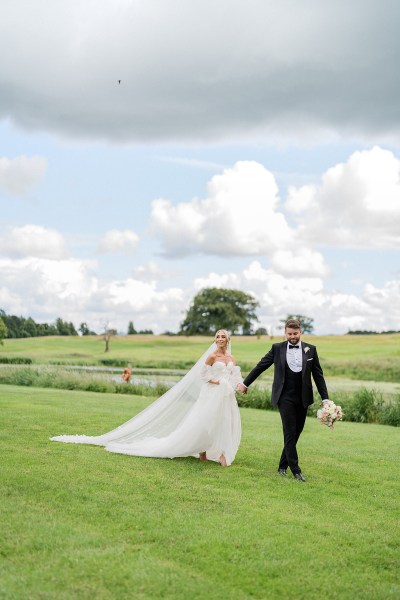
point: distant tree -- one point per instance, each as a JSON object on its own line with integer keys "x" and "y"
{"x": 12, "y": 323}
{"x": 146, "y": 332}
{"x": 30, "y": 327}
{"x": 107, "y": 335}
{"x": 131, "y": 328}
{"x": 64, "y": 328}
{"x": 213, "y": 308}
{"x": 306, "y": 323}
{"x": 260, "y": 331}
{"x": 44, "y": 329}
{"x": 84, "y": 329}
{"x": 3, "y": 331}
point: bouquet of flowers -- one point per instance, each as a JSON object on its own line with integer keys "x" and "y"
{"x": 329, "y": 413}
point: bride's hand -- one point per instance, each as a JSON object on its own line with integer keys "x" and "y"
{"x": 215, "y": 381}
{"x": 241, "y": 388}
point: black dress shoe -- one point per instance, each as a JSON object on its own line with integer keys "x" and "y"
{"x": 282, "y": 472}
{"x": 298, "y": 476}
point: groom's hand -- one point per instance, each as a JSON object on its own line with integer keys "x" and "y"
{"x": 241, "y": 388}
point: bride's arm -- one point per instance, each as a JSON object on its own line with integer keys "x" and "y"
{"x": 235, "y": 376}
{"x": 205, "y": 373}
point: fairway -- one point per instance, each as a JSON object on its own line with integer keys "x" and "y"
{"x": 78, "y": 522}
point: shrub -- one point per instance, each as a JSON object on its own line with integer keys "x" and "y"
{"x": 15, "y": 360}
{"x": 142, "y": 389}
{"x": 391, "y": 413}
{"x": 113, "y": 362}
{"x": 365, "y": 406}
{"x": 255, "y": 398}
{"x": 368, "y": 370}
{"x": 27, "y": 377}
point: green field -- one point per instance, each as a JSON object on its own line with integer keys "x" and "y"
{"x": 370, "y": 357}
{"x": 80, "y": 523}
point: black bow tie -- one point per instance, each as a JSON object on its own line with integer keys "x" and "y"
{"x": 290, "y": 347}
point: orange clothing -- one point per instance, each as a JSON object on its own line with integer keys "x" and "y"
{"x": 126, "y": 375}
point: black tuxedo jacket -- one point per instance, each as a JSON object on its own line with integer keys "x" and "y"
{"x": 310, "y": 367}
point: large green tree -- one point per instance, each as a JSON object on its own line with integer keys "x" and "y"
{"x": 218, "y": 308}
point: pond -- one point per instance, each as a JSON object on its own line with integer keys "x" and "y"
{"x": 150, "y": 377}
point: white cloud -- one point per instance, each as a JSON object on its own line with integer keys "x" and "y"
{"x": 13, "y": 300}
{"x": 301, "y": 262}
{"x": 144, "y": 303}
{"x": 47, "y": 287}
{"x": 239, "y": 217}
{"x": 356, "y": 204}
{"x": 152, "y": 271}
{"x": 115, "y": 240}
{"x": 224, "y": 280}
{"x": 201, "y": 70}
{"x": 18, "y": 175}
{"x": 281, "y": 294}
{"x": 140, "y": 296}
{"x": 34, "y": 241}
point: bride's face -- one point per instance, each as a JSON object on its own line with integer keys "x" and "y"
{"x": 221, "y": 340}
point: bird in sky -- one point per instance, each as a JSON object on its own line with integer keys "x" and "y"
{"x": 119, "y": 81}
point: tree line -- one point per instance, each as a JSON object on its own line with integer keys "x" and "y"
{"x": 12, "y": 326}
{"x": 21, "y": 327}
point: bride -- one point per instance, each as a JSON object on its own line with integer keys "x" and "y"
{"x": 198, "y": 416}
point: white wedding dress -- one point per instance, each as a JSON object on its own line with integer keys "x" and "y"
{"x": 193, "y": 416}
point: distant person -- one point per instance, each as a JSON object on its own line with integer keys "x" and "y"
{"x": 199, "y": 416}
{"x": 292, "y": 392}
{"x": 127, "y": 373}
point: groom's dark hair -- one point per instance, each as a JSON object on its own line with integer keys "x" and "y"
{"x": 293, "y": 324}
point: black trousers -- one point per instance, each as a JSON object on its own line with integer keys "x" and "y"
{"x": 293, "y": 415}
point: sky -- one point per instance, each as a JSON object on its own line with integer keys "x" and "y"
{"x": 152, "y": 148}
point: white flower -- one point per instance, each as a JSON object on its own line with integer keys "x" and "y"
{"x": 329, "y": 413}
{"x": 306, "y": 349}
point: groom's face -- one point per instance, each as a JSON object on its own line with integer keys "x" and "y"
{"x": 293, "y": 335}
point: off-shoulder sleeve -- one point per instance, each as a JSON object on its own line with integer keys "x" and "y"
{"x": 235, "y": 377}
{"x": 205, "y": 373}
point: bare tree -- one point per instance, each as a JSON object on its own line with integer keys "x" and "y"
{"x": 107, "y": 335}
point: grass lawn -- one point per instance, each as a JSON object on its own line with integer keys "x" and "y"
{"x": 81, "y": 523}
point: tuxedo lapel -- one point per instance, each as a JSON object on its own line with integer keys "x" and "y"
{"x": 303, "y": 359}
{"x": 283, "y": 356}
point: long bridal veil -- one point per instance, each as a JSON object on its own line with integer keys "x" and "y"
{"x": 159, "y": 419}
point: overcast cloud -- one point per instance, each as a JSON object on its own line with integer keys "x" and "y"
{"x": 205, "y": 70}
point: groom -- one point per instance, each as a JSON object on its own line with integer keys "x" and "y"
{"x": 292, "y": 390}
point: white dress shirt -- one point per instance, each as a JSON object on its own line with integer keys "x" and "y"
{"x": 294, "y": 357}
